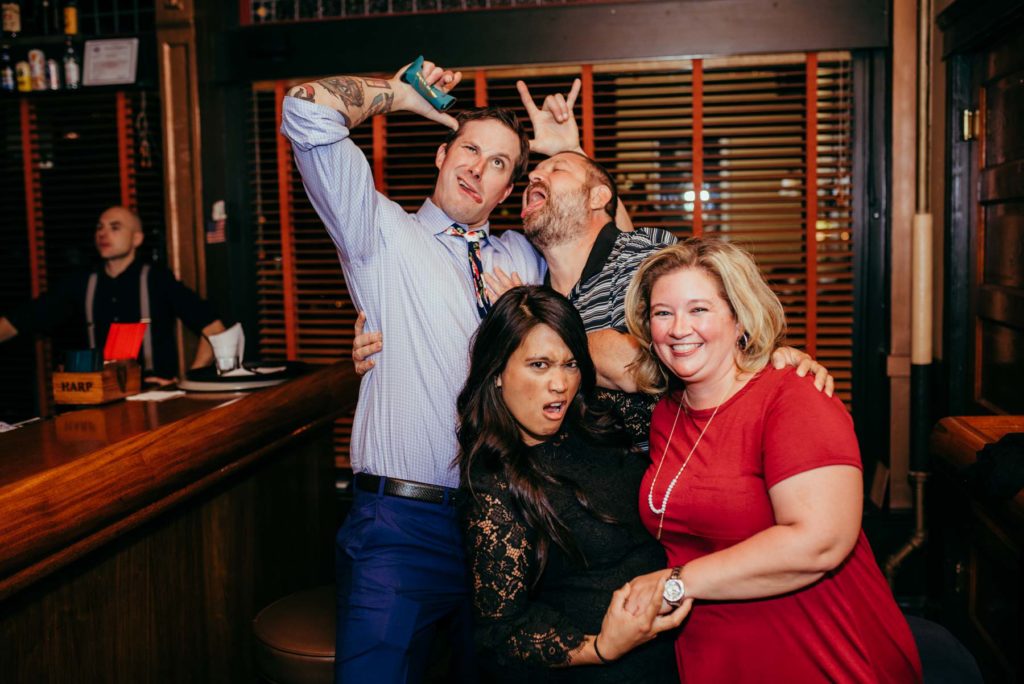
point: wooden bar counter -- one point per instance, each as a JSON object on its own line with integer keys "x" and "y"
{"x": 138, "y": 540}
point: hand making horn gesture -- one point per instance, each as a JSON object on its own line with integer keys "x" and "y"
{"x": 554, "y": 124}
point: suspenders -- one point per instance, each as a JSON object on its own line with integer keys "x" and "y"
{"x": 144, "y": 313}
{"x": 90, "y": 296}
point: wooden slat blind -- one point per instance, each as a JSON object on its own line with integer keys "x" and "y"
{"x": 716, "y": 147}
{"x": 643, "y": 135}
{"x": 721, "y": 149}
{"x": 32, "y": 191}
{"x": 89, "y": 159}
{"x": 144, "y": 164}
{"x": 79, "y": 172}
{"x": 263, "y": 146}
{"x": 834, "y": 224}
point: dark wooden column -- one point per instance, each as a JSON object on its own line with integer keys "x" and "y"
{"x": 179, "y": 101}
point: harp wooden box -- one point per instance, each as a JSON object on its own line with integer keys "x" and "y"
{"x": 117, "y": 380}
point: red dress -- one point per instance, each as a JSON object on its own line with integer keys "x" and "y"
{"x": 844, "y": 628}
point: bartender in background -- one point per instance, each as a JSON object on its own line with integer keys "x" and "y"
{"x": 121, "y": 289}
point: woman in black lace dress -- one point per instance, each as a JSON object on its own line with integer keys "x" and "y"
{"x": 552, "y": 530}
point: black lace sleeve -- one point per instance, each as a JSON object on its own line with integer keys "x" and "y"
{"x": 511, "y": 625}
{"x": 633, "y": 409}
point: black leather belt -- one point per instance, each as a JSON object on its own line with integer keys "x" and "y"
{"x": 405, "y": 489}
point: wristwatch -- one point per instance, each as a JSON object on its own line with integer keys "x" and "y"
{"x": 675, "y": 591}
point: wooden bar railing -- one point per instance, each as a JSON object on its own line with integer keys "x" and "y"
{"x": 152, "y": 520}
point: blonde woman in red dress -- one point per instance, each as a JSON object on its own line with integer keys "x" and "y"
{"x": 754, "y": 488}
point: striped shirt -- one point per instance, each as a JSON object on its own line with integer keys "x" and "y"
{"x": 414, "y": 283}
{"x": 600, "y": 295}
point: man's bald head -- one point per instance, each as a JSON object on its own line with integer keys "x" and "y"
{"x": 118, "y": 233}
{"x": 124, "y": 215}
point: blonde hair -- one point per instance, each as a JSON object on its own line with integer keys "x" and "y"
{"x": 740, "y": 283}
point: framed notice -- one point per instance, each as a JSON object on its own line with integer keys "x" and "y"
{"x": 110, "y": 62}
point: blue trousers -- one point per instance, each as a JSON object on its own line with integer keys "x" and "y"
{"x": 400, "y": 569}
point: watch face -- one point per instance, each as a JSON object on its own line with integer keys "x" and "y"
{"x": 673, "y": 591}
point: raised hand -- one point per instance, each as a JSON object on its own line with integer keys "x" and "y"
{"x": 358, "y": 98}
{"x": 406, "y": 97}
{"x": 554, "y": 125}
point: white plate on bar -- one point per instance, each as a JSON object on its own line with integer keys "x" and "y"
{"x": 260, "y": 376}
{"x": 228, "y": 385}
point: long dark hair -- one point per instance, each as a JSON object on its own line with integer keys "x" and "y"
{"x": 489, "y": 435}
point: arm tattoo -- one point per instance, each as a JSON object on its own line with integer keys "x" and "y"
{"x": 303, "y": 92}
{"x": 351, "y": 92}
{"x": 381, "y": 105}
{"x": 347, "y": 89}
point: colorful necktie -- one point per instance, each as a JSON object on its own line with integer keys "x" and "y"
{"x": 476, "y": 269}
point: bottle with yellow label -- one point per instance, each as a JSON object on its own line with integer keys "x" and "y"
{"x": 23, "y": 74}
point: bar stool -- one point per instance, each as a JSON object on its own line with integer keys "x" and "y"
{"x": 944, "y": 660}
{"x": 295, "y": 638}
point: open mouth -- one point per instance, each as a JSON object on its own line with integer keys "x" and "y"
{"x": 534, "y": 198}
{"x": 471, "y": 191}
{"x": 555, "y": 409}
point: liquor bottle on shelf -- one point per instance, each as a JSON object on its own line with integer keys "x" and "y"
{"x": 71, "y": 18}
{"x": 12, "y": 18}
{"x": 72, "y": 72}
{"x": 37, "y": 69}
{"x": 23, "y": 75}
{"x": 52, "y": 74}
{"x": 7, "y": 83}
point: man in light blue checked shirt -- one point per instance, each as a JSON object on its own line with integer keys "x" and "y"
{"x": 400, "y": 561}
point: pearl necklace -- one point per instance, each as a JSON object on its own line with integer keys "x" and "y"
{"x": 660, "y": 510}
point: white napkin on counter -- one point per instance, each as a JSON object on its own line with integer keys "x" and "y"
{"x": 156, "y": 395}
